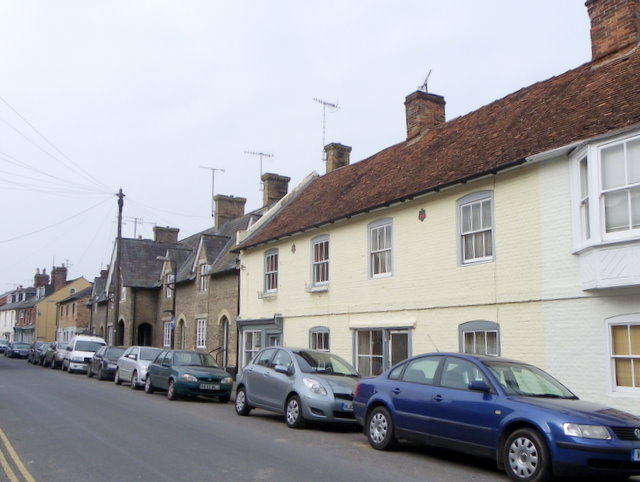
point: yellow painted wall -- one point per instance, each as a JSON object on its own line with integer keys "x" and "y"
{"x": 46, "y": 309}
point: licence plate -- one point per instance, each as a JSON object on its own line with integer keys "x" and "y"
{"x": 347, "y": 406}
{"x": 635, "y": 455}
{"x": 209, "y": 386}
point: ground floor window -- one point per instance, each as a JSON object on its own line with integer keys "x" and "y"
{"x": 252, "y": 343}
{"x": 319, "y": 338}
{"x": 201, "y": 333}
{"x": 479, "y": 337}
{"x": 625, "y": 351}
{"x": 166, "y": 338}
{"x": 378, "y": 349}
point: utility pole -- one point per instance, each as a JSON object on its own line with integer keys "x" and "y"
{"x": 116, "y": 268}
{"x": 213, "y": 175}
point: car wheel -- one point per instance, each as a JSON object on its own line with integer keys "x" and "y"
{"x": 53, "y": 365}
{"x": 224, "y": 398}
{"x": 293, "y": 413}
{"x": 526, "y": 457}
{"x": 380, "y": 430}
{"x": 116, "y": 378}
{"x": 172, "y": 394}
{"x": 242, "y": 405}
{"x": 89, "y": 372}
{"x": 148, "y": 388}
{"x": 134, "y": 380}
{"x": 100, "y": 374}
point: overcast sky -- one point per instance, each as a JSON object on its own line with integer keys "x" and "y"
{"x": 101, "y": 95}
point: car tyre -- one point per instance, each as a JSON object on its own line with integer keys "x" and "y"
{"x": 134, "y": 380}
{"x": 148, "y": 387}
{"x": 380, "y": 429}
{"x": 526, "y": 458}
{"x": 100, "y": 374}
{"x": 172, "y": 394}
{"x": 116, "y": 378}
{"x": 242, "y": 404}
{"x": 293, "y": 413}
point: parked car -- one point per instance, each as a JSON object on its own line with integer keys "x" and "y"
{"x": 55, "y": 355}
{"x": 188, "y": 373}
{"x": 513, "y": 412}
{"x": 32, "y": 350}
{"x": 132, "y": 365}
{"x": 37, "y": 355}
{"x": 80, "y": 351}
{"x": 3, "y": 345}
{"x": 303, "y": 385}
{"x": 17, "y": 349}
{"x": 104, "y": 362}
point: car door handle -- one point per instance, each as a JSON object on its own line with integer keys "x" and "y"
{"x": 396, "y": 391}
{"x": 438, "y": 398}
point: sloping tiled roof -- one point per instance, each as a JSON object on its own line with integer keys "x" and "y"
{"x": 577, "y": 105}
{"x": 138, "y": 264}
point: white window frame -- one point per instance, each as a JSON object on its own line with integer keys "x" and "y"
{"x": 201, "y": 333}
{"x": 320, "y": 261}
{"x": 378, "y": 254}
{"x": 166, "y": 332}
{"x": 204, "y": 278}
{"x": 589, "y": 192}
{"x": 476, "y": 328}
{"x": 255, "y": 337}
{"x": 386, "y": 348}
{"x": 623, "y": 320}
{"x": 271, "y": 265}
{"x": 476, "y": 199}
{"x": 319, "y": 338}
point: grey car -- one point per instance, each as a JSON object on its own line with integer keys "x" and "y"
{"x": 302, "y": 384}
{"x": 132, "y": 365}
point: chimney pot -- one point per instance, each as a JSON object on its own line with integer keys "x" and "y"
{"x": 165, "y": 234}
{"x": 275, "y": 187}
{"x": 228, "y": 208}
{"x": 337, "y": 155}
{"x": 424, "y": 112}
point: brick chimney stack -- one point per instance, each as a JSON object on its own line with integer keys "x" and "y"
{"x": 165, "y": 234}
{"x": 275, "y": 187}
{"x": 40, "y": 279}
{"x": 615, "y": 27}
{"x": 337, "y": 156}
{"x": 58, "y": 277}
{"x": 423, "y": 111}
{"x": 228, "y": 208}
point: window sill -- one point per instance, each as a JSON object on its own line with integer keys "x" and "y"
{"x": 316, "y": 289}
{"x": 267, "y": 295}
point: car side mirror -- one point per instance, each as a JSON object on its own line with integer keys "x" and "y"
{"x": 479, "y": 386}
{"x": 287, "y": 370}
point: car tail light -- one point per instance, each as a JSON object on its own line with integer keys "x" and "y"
{"x": 355, "y": 392}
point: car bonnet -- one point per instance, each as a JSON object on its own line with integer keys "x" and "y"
{"x": 339, "y": 384}
{"x": 583, "y": 411}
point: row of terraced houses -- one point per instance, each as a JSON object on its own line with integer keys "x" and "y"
{"x": 513, "y": 230}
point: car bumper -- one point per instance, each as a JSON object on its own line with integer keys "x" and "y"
{"x": 77, "y": 366}
{"x": 328, "y": 409}
{"x": 196, "y": 388}
{"x": 596, "y": 458}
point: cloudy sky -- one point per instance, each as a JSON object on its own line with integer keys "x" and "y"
{"x": 146, "y": 95}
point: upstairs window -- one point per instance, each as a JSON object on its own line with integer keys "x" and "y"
{"x": 271, "y": 271}
{"x": 620, "y": 169}
{"x": 475, "y": 224}
{"x": 169, "y": 280}
{"x": 380, "y": 248}
{"x": 204, "y": 277}
{"x": 320, "y": 261}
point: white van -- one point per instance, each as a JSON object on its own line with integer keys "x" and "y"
{"x": 80, "y": 351}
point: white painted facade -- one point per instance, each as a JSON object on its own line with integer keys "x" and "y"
{"x": 533, "y": 290}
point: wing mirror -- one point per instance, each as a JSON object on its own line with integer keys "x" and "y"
{"x": 480, "y": 386}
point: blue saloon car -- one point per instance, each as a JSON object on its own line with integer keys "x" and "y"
{"x": 531, "y": 424}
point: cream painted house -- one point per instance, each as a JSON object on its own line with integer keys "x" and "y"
{"x": 513, "y": 230}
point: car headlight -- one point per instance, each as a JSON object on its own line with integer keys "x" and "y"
{"x": 189, "y": 378}
{"x": 315, "y": 386}
{"x": 227, "y": 380}
{"x": 586, "y": 431}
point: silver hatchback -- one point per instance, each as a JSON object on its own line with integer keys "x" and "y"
{"x": 302, "y": 384}
{"x": 132, "y": 365}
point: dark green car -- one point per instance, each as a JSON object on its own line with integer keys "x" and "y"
{"x": 188, "y": 374}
